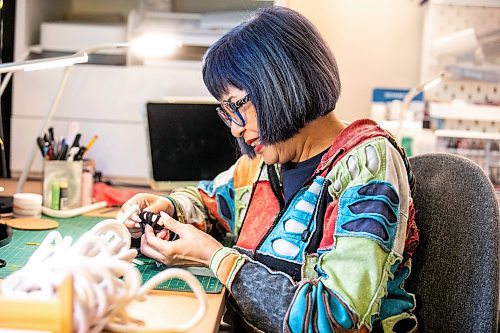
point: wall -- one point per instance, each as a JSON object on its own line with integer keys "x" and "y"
{"x": 376, "y": 43}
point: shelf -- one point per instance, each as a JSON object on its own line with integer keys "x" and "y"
{"x": 443, "y": 133}
{"x": 464, "y": 111}
{"x": 476, "y": 3}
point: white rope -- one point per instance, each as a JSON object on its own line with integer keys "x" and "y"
{"x": 104, "y": 279}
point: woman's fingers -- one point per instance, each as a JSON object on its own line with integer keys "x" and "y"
{"x": 151, "y": 239}
{"x": 171, "y": 224}
{"x": 150, "y": 252}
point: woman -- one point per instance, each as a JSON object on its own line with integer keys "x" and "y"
{"x": 321, "y": 212}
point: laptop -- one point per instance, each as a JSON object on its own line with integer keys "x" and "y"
{"x": 188, "y": 142}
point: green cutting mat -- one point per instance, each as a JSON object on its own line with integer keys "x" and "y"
{"x": 18, "y": 251}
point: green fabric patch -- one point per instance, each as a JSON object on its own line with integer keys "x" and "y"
{"x": 406, "y": 321}
{"x": 358, "y": 270}
{"x": 341, "y": 176}
{"x": 241, "y": 198}
{"x": 308, "y": 270}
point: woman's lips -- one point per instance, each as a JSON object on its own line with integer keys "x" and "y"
{"x": 259, "y": 148}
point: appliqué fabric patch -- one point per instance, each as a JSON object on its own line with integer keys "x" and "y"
{"x": 285, "y": 241}
{"x": 370, "y": 210}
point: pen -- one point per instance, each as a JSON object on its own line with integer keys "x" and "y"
{"x": 64, "y": 150}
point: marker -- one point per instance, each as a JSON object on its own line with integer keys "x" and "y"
{"x": 41, "y": 145}
{"x": 76, "y": 142}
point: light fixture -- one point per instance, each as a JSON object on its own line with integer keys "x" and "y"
{"x": 69, "y": 60}
{"x": 33, "y": 65}
{"x": 410, "y": 96}
{"x": 155, "y": 45}
{"x": 46, "y": 63}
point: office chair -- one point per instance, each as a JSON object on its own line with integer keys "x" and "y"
{"x": 455, "y": 274}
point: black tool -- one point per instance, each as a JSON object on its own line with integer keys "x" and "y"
{"x": 5, "y": 234}
{"x": 152, "y": 219}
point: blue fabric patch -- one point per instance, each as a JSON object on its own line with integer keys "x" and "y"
{"x": 300, "y": 216}
{"x": 207, "y": 186}
{"x": 377, "y": 207}
{"x": 224, "y": 196}
{"x": 397, "y": 300}
{"x": 298, "y": 309}
{"x": 367, "y": 225}
{"x": 326, "y": 304}
{"x": 370, "y": 210}
{"x": 338, "y": 311}
{"x": 375, "y": 188}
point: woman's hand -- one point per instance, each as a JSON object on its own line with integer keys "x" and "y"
{"x": 194, "y": 247}
{"x": 147, "y": 202}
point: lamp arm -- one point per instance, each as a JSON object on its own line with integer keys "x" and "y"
{"x": 82, "y": 54}
{"x": 404, "y": 108}
{"x": 405, "y": 105}
{"x": 105, "y": 46}
{"x": 43, "y": 128}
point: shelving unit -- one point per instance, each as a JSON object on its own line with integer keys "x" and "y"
{"x": 465, "y": 109}
{"x": 106, "y": 100}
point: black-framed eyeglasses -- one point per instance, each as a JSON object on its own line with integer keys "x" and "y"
{"x": 229, "y": 112}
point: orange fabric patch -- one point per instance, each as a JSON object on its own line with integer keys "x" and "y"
{"x": 225, "y": 267}
{"x": 211, "y": 205}
{"x": 245, "y": 172}
{"x": 259, "y": 218}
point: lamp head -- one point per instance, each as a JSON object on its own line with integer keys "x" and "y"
{"x": 155, "y": 45}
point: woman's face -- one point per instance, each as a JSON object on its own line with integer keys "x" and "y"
{"x": 275, "y": 153}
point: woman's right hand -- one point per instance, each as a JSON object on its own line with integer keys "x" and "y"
{"x": 146, "y": 202}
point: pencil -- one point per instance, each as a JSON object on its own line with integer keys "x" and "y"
{"x": 90, "y": 144}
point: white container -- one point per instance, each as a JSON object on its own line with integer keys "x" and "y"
{"x": 27, "y": 205}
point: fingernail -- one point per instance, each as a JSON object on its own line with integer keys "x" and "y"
{"x": 137, "y": 225}
{"x": 134, "y": 217}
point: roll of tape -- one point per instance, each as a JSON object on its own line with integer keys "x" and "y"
{"x": 27, "y": 205}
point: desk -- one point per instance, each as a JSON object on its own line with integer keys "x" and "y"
{"x": 161, "y": 307}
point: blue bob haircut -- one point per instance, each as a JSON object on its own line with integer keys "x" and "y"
{"x": 279, "y": 58}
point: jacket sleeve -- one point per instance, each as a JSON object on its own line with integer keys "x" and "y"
{"x": 213, "y": 202}
{"x": 360, "y": 256}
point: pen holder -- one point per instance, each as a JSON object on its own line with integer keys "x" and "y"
{"x": 62, "y": 184}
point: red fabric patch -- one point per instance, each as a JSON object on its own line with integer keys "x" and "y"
{"x": 259, "y": 218}
{"x": 211, "y": 205}
{"x": 354, "y": 134}
{"x": 327, "y": 242}
{"x": 412, "y": 236}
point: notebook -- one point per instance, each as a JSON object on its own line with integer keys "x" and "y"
{"x": 188, "y": 142}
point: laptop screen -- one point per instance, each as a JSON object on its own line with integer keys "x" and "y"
{"x": 188, "y": 142}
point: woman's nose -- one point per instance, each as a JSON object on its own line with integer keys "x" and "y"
{"x": 237, "y": 130}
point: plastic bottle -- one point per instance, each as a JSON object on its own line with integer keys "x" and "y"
{"x": 63, "y": 195}
{"x": 54, "y": 196}
{"x": 87, "y": 187}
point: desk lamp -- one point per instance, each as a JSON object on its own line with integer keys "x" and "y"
{"x": 410, "y": 96}
{"x": 67, "y": 62}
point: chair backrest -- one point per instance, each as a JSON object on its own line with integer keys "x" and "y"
{"x": 456, "y": 266}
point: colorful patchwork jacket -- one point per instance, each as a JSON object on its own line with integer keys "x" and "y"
{"x": 336, "y": 256}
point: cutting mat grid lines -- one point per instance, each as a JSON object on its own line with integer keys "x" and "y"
{"x": 20, "y": 249}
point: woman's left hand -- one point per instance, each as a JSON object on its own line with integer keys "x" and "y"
{"x": 193, "y": 247}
